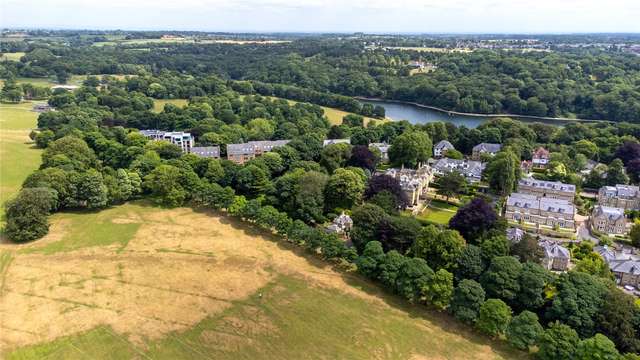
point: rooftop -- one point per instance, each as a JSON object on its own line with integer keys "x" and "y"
{"x": 548, "y": 185}
{"x": 444, "y": 145}
{"x": 555, "y": 250}
{"x": 612, "y": 213}
{"x": 624, "y": 191}
{"x": 488, "y": 147}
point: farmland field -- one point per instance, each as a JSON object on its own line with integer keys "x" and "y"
{"x": 136, "y": 281}
{"x": 18, "y": 156}
{"x": 13, "y": 56}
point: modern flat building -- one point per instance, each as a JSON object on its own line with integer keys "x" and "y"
{"x": 470, "y": 169}
{"x": 414, "y": 183}
{"x": 621, "y": 196}
{"x": 440, "y": 149}
{"x": 548, "y": 189}
{"x": 241, "y": 153}
{"x": 212, "y": 152}
{"x": 181, "y": 139}
{"x": 610, "y": 220}
{"x": 540, "y": 211}
{"x": 485, "y": 148}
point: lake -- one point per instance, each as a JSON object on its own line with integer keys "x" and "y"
{"x": 420, "y": 115}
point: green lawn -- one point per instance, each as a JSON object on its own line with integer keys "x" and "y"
{"x": 93, "y": 228}
{"x": 158, "y": 104}
{"x": 288, "y": 319}
{"x": 438, "y": 212}
{"x": 18, "y": 156}
{"x": 12, "y": 56}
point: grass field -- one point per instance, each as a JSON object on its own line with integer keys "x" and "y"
{"x": 158, "y": 104}
{"x": 183, "y": 284}
{"x": 12, "y": 56}
{"x": 18, "y": 156}
{"x": 438, "y": 212}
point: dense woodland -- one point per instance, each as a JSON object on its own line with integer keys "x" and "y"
{"x": 94, "y": 157}
{"x": 583, "y": 82}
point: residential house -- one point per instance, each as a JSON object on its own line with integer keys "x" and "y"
{"x": 514, "y": 235}
{"x": 485, "y": 148}
{"x": 549, "y": 189}
{"x": 556, "y": 256}
{"x": 335, "y": 141}
{"x": 341, "y": 225}
{"x": 540, "y": 158}
{"x": 621, "y": 196}
{"x": 610, "y": 220}
{"x": 383, "y": 148}
{"x": 470, "y": 169}
{"x": 241, "y": 153}
{"x": 212, "y": 152}
{"x": 181, "y": 139}
{"x": 624, "y": 263}
{"x": 414, "y": 183}
{"x": 441, "y": 148}
{"x": 540, "y": 211}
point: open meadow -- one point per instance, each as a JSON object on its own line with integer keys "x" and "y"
{"x": 136, "y": 281}
{"x": 18, "y": 155}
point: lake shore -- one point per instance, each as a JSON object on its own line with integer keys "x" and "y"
{"x": 477, "y": 115}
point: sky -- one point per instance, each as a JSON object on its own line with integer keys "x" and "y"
{"x": 372, "y": 16}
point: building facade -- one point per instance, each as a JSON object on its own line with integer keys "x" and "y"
{"x": 485, "y": 148}
{"x": 530, "y": 209}
{"x": 548, "y": 189}
{"x": 440, "y": 149}
{"x": 414, "y": 183}
{"x": 556, "y": 256}
{"x": 610, "y": 220}
{"x": 181, "y": 139}
{"x": 243, "y": 152}
{"x": 212, "y": 152}
{"x": 626, "y": 197}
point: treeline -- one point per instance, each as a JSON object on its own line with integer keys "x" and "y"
{"x": 583, "y": 83}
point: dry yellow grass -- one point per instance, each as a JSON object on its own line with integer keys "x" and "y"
{"x": 192, "y": 284}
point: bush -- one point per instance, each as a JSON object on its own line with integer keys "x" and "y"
{"x": 26, "y": 214}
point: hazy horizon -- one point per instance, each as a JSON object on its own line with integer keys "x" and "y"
{"x": 331, "y": 16}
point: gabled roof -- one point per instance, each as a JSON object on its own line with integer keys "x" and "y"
{"x": 514, "y": 234}
{"x": 541, "y": 153}
{"x": 550, "y": 185}
{"x": 488, "y": 147}
{"x": 611, "y": 213}
{"x": 444, "y": 145}
{"x": 555, "y": 250}
{"x": 336, "y": 141}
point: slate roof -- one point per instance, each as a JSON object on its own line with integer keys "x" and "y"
{"x": 468, "y": 168}
{"x": 206, "y": 151}
{"x": 621, "y": 191}
{"x": 488, "y": 147}
{"x": 529, "y": 201}
{"x": 612, "y": 213}
{"x": 541, "y": 153}
{"x": 550, "y": 185}
{"x": 514, "y": 234}
{"x": 336, "y": 141}
{"x": 444, "y": 145}
{"x": 555, "y": 250}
